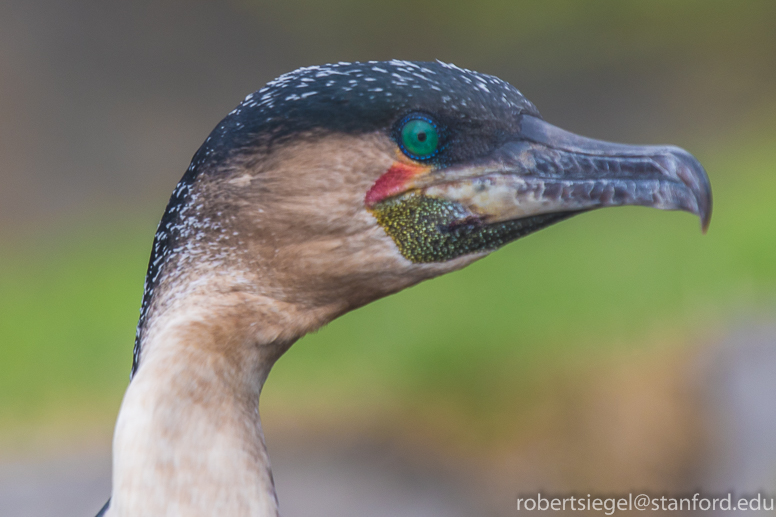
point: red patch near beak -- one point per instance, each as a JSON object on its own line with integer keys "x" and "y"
{"x": 393, "y": 182}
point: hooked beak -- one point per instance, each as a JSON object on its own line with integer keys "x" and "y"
{"x": 547, "y": 170}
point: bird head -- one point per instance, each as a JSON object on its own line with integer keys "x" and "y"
{"x": 335, "y": 185}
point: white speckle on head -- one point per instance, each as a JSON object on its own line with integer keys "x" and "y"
{"x": 241, "y": 181}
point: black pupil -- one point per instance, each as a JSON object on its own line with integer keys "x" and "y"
{"x": 421, "y": 137}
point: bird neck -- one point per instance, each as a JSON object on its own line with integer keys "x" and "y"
{"x": 188, "y": 439}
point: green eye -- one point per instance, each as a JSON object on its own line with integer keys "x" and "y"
{"x": 419, "y": 138}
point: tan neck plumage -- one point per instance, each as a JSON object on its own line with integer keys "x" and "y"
{"x": 188, "y": 440}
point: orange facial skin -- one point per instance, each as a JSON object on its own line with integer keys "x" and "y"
{"x": 394, "y": 181}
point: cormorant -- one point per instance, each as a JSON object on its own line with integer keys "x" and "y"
{"x": 329, "y": 188}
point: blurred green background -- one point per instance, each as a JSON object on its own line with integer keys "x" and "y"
{"x": 103, "y": 104}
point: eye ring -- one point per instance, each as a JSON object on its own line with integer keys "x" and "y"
{"x": 419, "y": 137}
